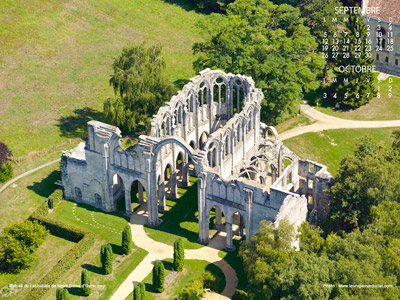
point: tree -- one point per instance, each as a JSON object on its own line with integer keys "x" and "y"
{"x": 142, "y": 291}
{"x": 85, "y": 283}
{"x": 265, "y": 256}
{"x": 62, "y": 294}
{"x": 179, "y": 255}
{"x": 267, "y": 42}
{"x": 310, "y": 239}
{"x": 127, "y": 240}
{"x": 106, "y": 257}
{"x": 158, "y": 276}
{"x": 319, "y": 17}
{"x": 136, "y": 293}
{"x": 141, "y": 88}
{"x": 364, "y": 179}
{"x": 18, "y": 242}
{"x": 6, "y": 169}
{"x": 355, "y": 87}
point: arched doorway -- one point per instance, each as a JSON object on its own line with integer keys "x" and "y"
{"x": 202, "y": 140}
{"x": 118, "y": 190}
{"x": 238, "y": 225}
{"x": 216, "y": 221}
{"x": 138, "y": 194}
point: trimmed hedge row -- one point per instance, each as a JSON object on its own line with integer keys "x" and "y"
{"x": 43, "y": 209}
{"x": 84, "y": 240}
{"x": 62, "y": 266}
{"x": 60, "y": 229}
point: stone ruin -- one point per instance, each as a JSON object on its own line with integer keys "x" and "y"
{"x": 212, "y": 130}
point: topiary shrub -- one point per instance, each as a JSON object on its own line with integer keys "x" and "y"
{"x": 179, "y": 255}
{"x": 136, "y": 293}
{"x": 62, "y": 294}
{"x": 142, "y": 291}
{"x": 106, "y": 257}
{"x": 127, "y": 240}
{"x": 158, "y": 276}
{"x": 85, "y": 283}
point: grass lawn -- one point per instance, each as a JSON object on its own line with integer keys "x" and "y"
{"x": 47, "y": 255}
{"x": 56, "y": 61}
{"x": 181, "y": 219}
{"x": 329, "y": 147}
{"x": 17, "y": 203}
{"x": 299, "y": 120}
{"x": 383, "y": 108}
{"x": 191, "y": 271}
{"x": 107, "y": 228}
{"x": 232, "y": 257}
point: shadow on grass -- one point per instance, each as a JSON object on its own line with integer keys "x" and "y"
{"x": 117, "y": 249}
{"x": 75, "y": 291}
{"x": 93, "y": 268}
{"x": 168, "y": 265}
{"x": 183, "y": 211}
{"x": 188, "y": 6}
{"x": 232, "y": 257}
{"x": 76, "y": 125}
{"x": 46, "y": 186}
{"x": 149, "y": 288}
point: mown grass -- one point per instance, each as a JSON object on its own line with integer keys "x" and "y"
{"x": 383, "y": 108}
{"x": 298, "y": 120}
{"x": 46, "y": 256}
{"x": 108, "y": 229}
{"x": 193, "y": 269}
{"x": 181, "y": 219}
{"x": 56, "y": 61}
{"x": 329, "y": 147}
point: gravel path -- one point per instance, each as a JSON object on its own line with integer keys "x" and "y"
{"x": 27, "y": 173}
{"x": 159, "y": 251}
{"x": 325, "y": 122}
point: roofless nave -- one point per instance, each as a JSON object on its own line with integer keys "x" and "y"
{"x": 212, "y": 130}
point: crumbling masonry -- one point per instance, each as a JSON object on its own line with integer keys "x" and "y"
{"x": 212, "y": 130}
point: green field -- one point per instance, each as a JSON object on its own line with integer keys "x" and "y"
{"x": 180, "y": 220}
{"x": 47, "y": 255}
{"x": 383, "y": 108}
{"x": 191, "y": 271}
{"x": 329, "y": 147}
{"x": 56, "y": 61}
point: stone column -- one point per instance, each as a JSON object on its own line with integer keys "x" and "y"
{"x": 218, "y": 218}
{"x": 240, "y": 225}
{"x": 162, "y": 205}
{"x": 128, "y": 207}
{"x": 229, "y": 241}
{"x": 140, "y": 189}
{"x": 152, "y": 194}
{"x": 203, "y": 218}
{"x": 249, "y": 209}
{"x": 185, "y": 170}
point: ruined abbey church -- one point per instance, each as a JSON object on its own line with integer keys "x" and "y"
{"x": 212, "y": 130}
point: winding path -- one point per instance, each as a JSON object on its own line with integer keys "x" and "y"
{"x": 325, "y": 122}
{"x": 159, "y": 251}
{"x": 27, "y": 173}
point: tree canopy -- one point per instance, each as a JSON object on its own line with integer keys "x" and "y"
{"x": 368, "y": 177}
{"x": 268, "y": 42}
{"x": 140, "y": 86}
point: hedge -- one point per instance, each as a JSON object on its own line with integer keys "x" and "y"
{"x": 43, "y": 209}
{"x": 63, "y": 266}
{"x": 84, "y": 241}
{"x": 60, "y": 229}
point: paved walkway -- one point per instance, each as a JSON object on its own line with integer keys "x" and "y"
{"x": 26, "y": 173}
{"x": 159, "y": 251}
{"x": 325, "y": 122}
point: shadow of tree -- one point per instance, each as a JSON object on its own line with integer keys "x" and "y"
{"x": 93, "y": 268}
{"x": 76, "y": 125}
{"x": 46, "y": 186}
{"x": 75, "y": 291}
{"x": 117, "y": 249}
{"x": 186, "y": 5}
